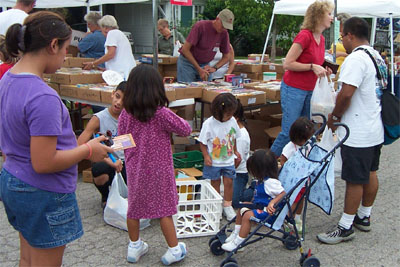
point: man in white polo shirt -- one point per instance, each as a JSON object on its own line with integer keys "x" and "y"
{"x": 15, "y": 15}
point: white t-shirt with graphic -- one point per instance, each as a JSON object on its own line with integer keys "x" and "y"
{"x": 220, "y": 137}
{"x": 123, "y": 61}
{"x": 363, "y": 117}
{"x": 243, "y": 147}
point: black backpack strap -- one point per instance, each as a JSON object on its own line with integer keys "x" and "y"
{"x": 378, "y": 73}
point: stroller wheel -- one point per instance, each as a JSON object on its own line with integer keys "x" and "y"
{"x": 231, "y": 263}
{"x": 290, "y": 242}
{"x": 311, "y": 261}
{"x": 215, "y": 248}
{"x": 211, "y": 240}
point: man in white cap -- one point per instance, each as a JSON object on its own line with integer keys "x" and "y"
{"x": 204, "y": 40}
{"x": 15, "y": 15}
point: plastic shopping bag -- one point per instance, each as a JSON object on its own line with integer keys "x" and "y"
{"x": 117, "y": 205}
{"x": 323, "y": 98}
{"x": 328, "y": 141}
{"x": 177, "y": 46}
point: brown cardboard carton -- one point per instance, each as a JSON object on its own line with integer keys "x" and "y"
{"x": 73, "y": 50}
{"x": 259, "y": 139}
{"x": 85, "y": 93}
{"x": 68, "y": 90}
{"x": 168, "y": 73}
{"x": 105, "y": 96}
{"x": 250, "y": 68}
{"x": 272, "y": 67}
{"x": 248, "y": 100}
{"x": 75, "y": 62}
{"x": 75, "y": 78}
{"x": 171, "y": 95}
{"x": 192, "y": 172}
{"x": 272, "y": 95}
{"x": 163, "y": 59}
{"x": 188, "y": 92}
{"x": 258, "y": 57}
{"x": 273, "y": 132}
{"x": 209, "y": 95}
{"x": 55, "y": 86}
{"x": 87, "y": 176}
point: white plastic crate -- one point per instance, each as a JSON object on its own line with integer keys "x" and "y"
{"x": 199, "y": 209}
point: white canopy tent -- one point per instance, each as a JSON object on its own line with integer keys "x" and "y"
{"x": 361, "y": 8}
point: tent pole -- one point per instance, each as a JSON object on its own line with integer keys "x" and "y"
{"x": 391, "y": 53}
{"x": 266, "y": 40}
{"x": 373, "y": 32}
{"x": 155, "y": 39}
{"x": 101, "y": 10}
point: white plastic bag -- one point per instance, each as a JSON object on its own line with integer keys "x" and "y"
{"x": 117, "y": 205}
{"x": 177, "y": 46}
{"x": 323, "y": 98}
{"x": 328, "y": 141}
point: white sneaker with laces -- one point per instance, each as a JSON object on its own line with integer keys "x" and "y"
{"x": 134, "y": 253}
{"x": 229, "y": 213}
{"x": 231, "y": 237}
{"x": 168, "y": 258}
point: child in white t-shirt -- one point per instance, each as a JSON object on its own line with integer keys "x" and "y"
{"x": 300, "y": 131}
{"x": 240, "y": 193}
{"x": 218, "y": 144}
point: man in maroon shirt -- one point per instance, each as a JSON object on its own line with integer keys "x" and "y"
{"x": 201, "y": 46}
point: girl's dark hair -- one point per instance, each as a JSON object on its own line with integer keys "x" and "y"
{"x": 302, "y": 129}
{"x": 223, "y": 104}
{"x": 263, "y": 164}
{"x": 145, "y": 93}
{"x": 3, "y": 49}
{"x": 239, "y": 113}
{"x": 121, "y": 86}
{"x": 39, "y": 29}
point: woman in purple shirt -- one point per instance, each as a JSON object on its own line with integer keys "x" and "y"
{"x": 39, "y": 176}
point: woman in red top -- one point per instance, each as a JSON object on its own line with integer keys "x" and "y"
{"x": 303, "y": 67}
{"x": 7, "y": 60}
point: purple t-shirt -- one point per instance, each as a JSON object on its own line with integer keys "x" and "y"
{"x": 205, "y": 40}
{"x": 28, "y": 107}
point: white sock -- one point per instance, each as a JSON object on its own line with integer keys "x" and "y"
{"x": 237, "y": 229}
{"x": 136, "y": 243}
{"x": 347, "y": 220}
{"x": 297, "y": 218}
{"x": 175, "y": 250}
{"x": 363, "y": 212}
{"x": 239, "y": 239}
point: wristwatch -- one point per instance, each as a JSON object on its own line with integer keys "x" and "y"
{"x": 335, "y": 118}
{"x": 215, "y": 67}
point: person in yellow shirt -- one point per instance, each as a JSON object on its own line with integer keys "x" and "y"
{"x": 340, "y": 51}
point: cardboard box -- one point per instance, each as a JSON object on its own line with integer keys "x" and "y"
{"x": 75, "y": 78}
{"x": 162, "y": 59}
{"x": 270, "y": 94}
{"x": 75, "y": 62}
{"x": 209, "y": 95}
{"x": 68, "y": 90}
{"x": 73, "y": 50}
{"x": 171, "y": 95}
{"x": 248, "y": 100}
{"x": 188, "y": 92}
{"x": 259, "y": 139}
{"x": 55, "y": 86}
{"x": 167, "y": 73}
{"x": 251, "y": 68}
{"x": 273, "y": 132}
{"x": 85, "y": 93}
{"x": 87, "y": 176}
{"x": 258, "y": 57}
{"x": 192, "y": 172}
{"x": 105, "y": 96}
{"x": 83, "y": 165}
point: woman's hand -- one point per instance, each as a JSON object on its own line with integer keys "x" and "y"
{"x": 88, "y": 65}
{"x": 319, "y": 70}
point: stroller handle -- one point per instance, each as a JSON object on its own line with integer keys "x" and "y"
{"x": 345, "y": 136}
{"x": 323, "y": 122}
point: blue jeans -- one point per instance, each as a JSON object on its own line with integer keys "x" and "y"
{"x": 186, "y": 71}
{"x": 295, "y": 103}
{"x": 240, "y": 193}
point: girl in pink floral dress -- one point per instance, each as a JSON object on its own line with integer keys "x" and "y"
{"x": 150, "y": 173}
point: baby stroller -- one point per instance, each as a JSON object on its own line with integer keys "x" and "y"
{"x": 312, "y": 169}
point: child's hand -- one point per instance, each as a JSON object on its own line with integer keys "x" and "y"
{"x": 99, "y": 151}
{"x": 270, "y": 208}
{"x": 238, "y": 156}
{"x": 207, "y": 160}
{"x": 118, "y": 166}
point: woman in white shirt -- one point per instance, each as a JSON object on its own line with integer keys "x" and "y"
{"x": 118, "y": 51}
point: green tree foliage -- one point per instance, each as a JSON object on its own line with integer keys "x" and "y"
{"x": 252, "y": 18}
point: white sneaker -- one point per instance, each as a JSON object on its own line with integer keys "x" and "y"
{"x": 134, "y": 253}
{"x": 168, "y": 258}
{"x": 230, "y": 245}
{"x": 229, "y": 213}
{"x": 231, "y": 237}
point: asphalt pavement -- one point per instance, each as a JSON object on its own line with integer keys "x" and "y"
{"x": 103, "y": 245}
